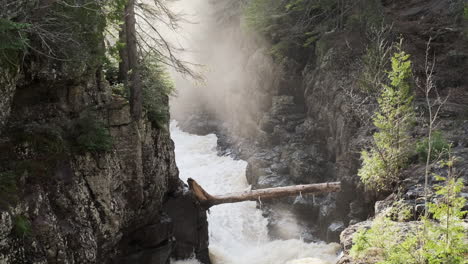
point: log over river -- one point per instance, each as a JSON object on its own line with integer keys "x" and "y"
{"x": 238, "y": 231}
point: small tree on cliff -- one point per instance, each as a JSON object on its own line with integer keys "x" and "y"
{"x": 140, "y": 24}
{"x": 390, "y": 152}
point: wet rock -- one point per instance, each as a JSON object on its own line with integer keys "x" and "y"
{"x": 282, "y": 105}
{"x": 257, "y": 167}
{"x": 306, "y": 166}
{"x": 357, "y": 210}
{"x": 414, "y": 192}
{"x": 271, "y": 181}
{"x": 334, "y": 230}
{"x": 198, "y": 124}
{"x": 153, "y": 235}
{"x": 327, "y": 208}
{"x": 381, "y": 206}
{"x": 279, "y": 168}
{"x": 161, "y": 255}
{"x": 267, "y": 123}
{"x": 190, "y": 226}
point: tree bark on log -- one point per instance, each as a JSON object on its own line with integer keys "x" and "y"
{"x": 208, "y": 200}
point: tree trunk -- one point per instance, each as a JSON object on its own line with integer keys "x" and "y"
{"x": 135, "y": 84}
{"x": 208, "y": 200}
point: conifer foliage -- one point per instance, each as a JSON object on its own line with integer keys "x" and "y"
{"x": 392, "y": 148}
{"x": 441, "y": 239}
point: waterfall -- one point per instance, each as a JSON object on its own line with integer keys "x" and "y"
{"x": 238, "y": 232}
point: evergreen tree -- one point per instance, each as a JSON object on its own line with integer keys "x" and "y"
{"x": 390, "y": 153}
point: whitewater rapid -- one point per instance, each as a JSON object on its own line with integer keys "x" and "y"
{"x": 238, "y": 232}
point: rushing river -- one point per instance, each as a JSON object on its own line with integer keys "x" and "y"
{"x": 238, "y": 232}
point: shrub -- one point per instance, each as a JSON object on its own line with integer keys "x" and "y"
{"x": 291, "y": 26}
{"x": 46, "y": 140}
{"x": 447, "y": 240}
{"x": 440, "y": 240}
{"x": 376, "y": 60}
{"x": 35, "y": 148}
{"x": 392, "y": 147}
{"x": 77, "y": 35}
{"x": 439, "y": 145}
{"x": 13, "y": 41}
{"x": 21, "y": 226}
{"x": 260, "y": 14}
{"x": 119, "y": 89}
{"x": 375, "y": 244}
{"x": 157, "y": 86}
{"x": 91, "y": 135}
{"x": 465, "y": 12}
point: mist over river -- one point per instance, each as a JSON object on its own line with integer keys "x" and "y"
{"x": 238, "y": 232}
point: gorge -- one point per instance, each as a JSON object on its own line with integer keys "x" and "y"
{"x": 108, "y": 107}
{"x": 238, "y": 232}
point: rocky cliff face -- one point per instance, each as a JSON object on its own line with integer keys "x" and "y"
{"x": 80, "y": 182}
{"x": 315, "y": 120}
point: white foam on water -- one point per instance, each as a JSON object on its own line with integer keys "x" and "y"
{"x": 238, "y": 232}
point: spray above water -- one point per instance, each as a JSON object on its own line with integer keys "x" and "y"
{"x": 235, "y": 67}
{"x": 238, "y": 232}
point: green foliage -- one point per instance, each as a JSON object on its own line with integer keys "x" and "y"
{"x": 68, "y": 32}
{"x": 12, "y": 35}
{"x": 400, "y": 211}
{"x": 111, "y": 72}
{"x": 115, "y": 12}
{"x": 65, "y": 35}
{"x": 111, "y": 64}
{"x": 279, "y": 50}
{"x": 376, "y": 60}
{"x": 292, "y": 26}
{"x": 42, "y": 139}
{"x": 34, "y": 149}
{"x": 440, "y": 240}
{"x": 157, "y": 86}
{"x": 311, "y": 39}
{"x": 31, "y": 152}
{"x": 447, "y": 241}
{"x": 21, "y": 226}
{"x": 465, "y": 12}
{"x": 365, "y": 14}
{"x": 119, "y": 89}
{"x": 262, "y": 14}
{"x": 392, "y": 148}
{"x": 91, "y": 135}
{"x": 88, "y": 23}
{"x": 377, "y": 243}
{"x": 439, "y": 147}
{"x": 13, "y": 41}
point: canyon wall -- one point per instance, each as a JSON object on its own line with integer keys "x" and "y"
{"x": 80, "y": 181}
{"x": 311, "y": 117}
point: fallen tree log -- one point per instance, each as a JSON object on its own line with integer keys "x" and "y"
{"x": 207, "y": 200}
